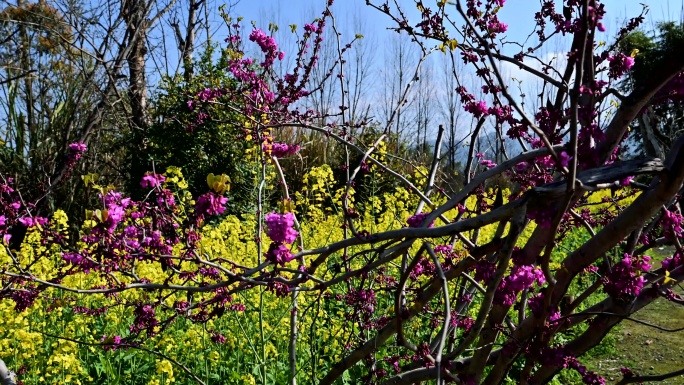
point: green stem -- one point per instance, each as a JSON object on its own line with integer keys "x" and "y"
{"x": 260, "y": 251}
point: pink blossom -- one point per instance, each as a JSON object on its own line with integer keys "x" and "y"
{"x": 280, "y": 227}
{"x": 672, "y": 224}
{"x": 476, "y": 108}
{"x": 279, "y": 254}
{"x": 417, "y": 220}
{"x": 110, "y": 343}
{"x": 673, "y": 262}
{"x": 564, "y": 159}
{"x": 217, "y": 338}
{"x": 626, "y": 276}
{"x": 115, "y": 214}
{"x": 280, "y": 150}
{"x": 543, "y": 217}
{"x": 618, "y": 65}
{"x": 521, "y": 278}
{"x": 152, "y": 180}
{"x": 145, "y": 319}
{"x": 521, "y": 167}
{"x": 484, "y": 270}
{"x": 497, "y": 27}
{"x": 76, "y": 150}
{"x": 268, "y": 47}
{"x": 33, "y": 221}
{"x": 487, "y": 163}
{"x": 78, "y": 147}
{"x": 210, "y": 204}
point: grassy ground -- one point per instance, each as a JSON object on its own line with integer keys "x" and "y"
{"x": 645, "y": 349}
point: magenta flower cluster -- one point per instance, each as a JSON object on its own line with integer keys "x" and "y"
{"x": 618, "y": 65}
{"x": 432, "y": 22}
{"x": 520, "y": 278}
{"x": 110, "y": 343}
{"x": 76, "y": 151}
{"x": 484, "y": 270}
{"x": 423, "y": 268}
{"x": 673, "y": 91}
{"x": 362, "y": 300}
{"x": 418, "y": 219}
{"x": 217, "y": 337}
{"x": 560, "y": 356}
{"x": 268, "y": 47}
{"x": 279, "y": 254}
{"x": 14, "y": 213}
{"x": 543, "y": 217}
{"x": 29, "y": 222}
{"x": 487, "y": 163}
{"x": 122, "y": 235}
{"x": 280, "y": 228}
{"x": 673, "y": 262}
{"x": 486, "y": 21}
{"x": 210, "y": 204}
{"x": 564, "y": 159}
{"x": 209, "y": 95}
{"x": 672, "y": 224}
{"x": 626, "y": 278}
{"x": 280, "y": 150}
{"x": 152, "y": 180}
{"x": 145, "y": 320}
{"x": 536, "y": 305}
{"x": 476, "y": 108}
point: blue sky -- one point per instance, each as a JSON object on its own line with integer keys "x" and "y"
{"x": 517, "y": 13}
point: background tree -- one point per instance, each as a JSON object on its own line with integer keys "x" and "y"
{"x": 194, "y": 131}
{"x": 451, "y": 108}
{"x": 51, "y": 91}
{"x": 663, "y": 121}
{"x": 401, "y": 55}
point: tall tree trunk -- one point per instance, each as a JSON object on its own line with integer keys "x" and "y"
{"x": 189, "y": 46}
{"x": 30, "y": 127}
{"x": 134, "y": 13}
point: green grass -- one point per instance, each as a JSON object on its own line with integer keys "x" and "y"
{"x": 645, "y": 349}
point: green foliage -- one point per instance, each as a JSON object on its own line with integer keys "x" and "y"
{"x": 214, "y": 146}
{"x": 658, "y": 126}
{"x": 653, "y": 48}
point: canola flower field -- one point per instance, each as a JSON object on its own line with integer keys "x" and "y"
{"x": 49, "y": 343}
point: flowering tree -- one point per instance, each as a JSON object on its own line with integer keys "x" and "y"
{"x": 471, "y": 288}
